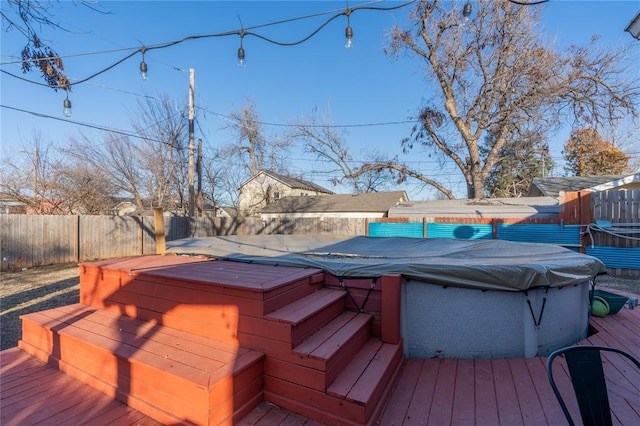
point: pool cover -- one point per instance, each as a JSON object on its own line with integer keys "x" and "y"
{"x": 484, "y": 264}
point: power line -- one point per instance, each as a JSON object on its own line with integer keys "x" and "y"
{"x": 332, "y": 126}
{"x": 89, "y": 125}
{"x": 127, "y": 133}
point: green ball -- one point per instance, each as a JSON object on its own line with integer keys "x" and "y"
{"x": 600, "y": 307}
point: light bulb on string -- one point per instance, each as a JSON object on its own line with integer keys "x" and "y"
{"x": 348, "y": 32}
{"x": 466, "y": 12}
{"x": 241, "y": 54}
{"x": 67, "y": 106}
{"x": 241, "y": 57}
{"x": 143, "y": 66}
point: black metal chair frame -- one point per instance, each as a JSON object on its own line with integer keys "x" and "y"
{"x": 588, "y": 380}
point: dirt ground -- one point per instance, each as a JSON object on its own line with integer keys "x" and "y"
{"x": 47, "y": 287}
{"x": 34, "y": 290}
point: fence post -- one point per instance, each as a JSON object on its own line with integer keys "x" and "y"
{"x": 158, "y": 222}
{"x": 78, "y": 239}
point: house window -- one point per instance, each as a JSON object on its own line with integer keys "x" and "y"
{"x": 276, "y": 195}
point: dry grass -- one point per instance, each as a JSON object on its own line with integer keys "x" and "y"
{"x": 34, "y": 290}
{"x": 47, "y": 287}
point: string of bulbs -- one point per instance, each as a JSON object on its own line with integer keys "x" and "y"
{"x": 241, "y": 54}
{"x": 242, "y": 32}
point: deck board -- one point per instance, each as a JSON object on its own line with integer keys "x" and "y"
{"x": 429, "y": 391}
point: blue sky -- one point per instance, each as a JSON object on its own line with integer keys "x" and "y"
{"x": 353, "y": 87}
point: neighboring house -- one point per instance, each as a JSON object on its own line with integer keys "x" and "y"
{"x": 125, "y": 208}
{"x": 491, "y": 208}
{"x": 551, "y": 187}
{"x": 369, "y": 205}
{"x": 9, "y": 205}
{"x": 267, "y": 187}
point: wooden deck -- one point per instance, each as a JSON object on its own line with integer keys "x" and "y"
{"x": 430, "y": 391}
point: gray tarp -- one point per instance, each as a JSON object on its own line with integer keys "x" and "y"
{"x": 485, "y": 264}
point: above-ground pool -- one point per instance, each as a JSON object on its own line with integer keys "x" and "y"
{"x": 456, "y": 322}
{"x": 459, "y": 298}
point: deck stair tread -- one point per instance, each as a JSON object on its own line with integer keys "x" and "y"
{"x": 128, "y": 338}
{"x": 162, "y": 369}
{"x": 356, "y": 396}
{"x": 328, "y": 340}
{"x": 362, "y": 378}
{"x": 302, "y": 309}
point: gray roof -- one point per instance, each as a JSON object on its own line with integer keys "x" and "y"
{"x": 551, "y": 187}
{"x": 294, "y": 183}
{"x": 526, "y": 207}
{"x": 379, "y": 202}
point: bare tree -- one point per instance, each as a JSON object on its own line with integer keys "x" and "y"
{"x": 495, "y": 74}
{"x": 163, "y": 152}
{"x": 329, "y": 145}
{"x": 116, "y": 159}
{"x": 251, "y": 146}
{"x": 31, "y": 178}
{"x": 151, "y": 167}
{"x": 85, "y": 191}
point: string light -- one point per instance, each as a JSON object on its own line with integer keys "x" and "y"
{"x": 143, "y": 65}
{"x": 241, "y": 51}
{"x": 67, "y": 105}
{"x": 348, "y": 32}
{"x": 466, "y": 12}
{"x": 241, "y": 33}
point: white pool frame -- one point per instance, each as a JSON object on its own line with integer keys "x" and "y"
{"x": 455, "y": 322}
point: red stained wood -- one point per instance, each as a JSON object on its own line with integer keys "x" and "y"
{"x": 300, "y": 396}
{"x": 308, "y": 346}
{"x": 309, "y": 314}
{"x": 486, "y": 408}
{"x": 444, "y": 393}
{"x": 508, "y": 409}
{"x": 528, "y": 400}
{"x": 379, "y": 374}
{"x": 300, "y": 310}
{"x": 422, "y": 401}
{"x": 292, "y": 372}
{"x": 396, "y": 411}
{"x": 72, "y": 403}
{"x": 391, "y": 285}
{"x": 350, "y": 375}
{"x": 124, "y": 354}
{"x": 235, "y": 274}
{"x": 464, "y": 399}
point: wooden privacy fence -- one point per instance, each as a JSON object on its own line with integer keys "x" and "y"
{"x": 32, "y": 240}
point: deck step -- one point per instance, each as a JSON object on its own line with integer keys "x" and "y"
{"x": 319, "y": 359}
{"x": 309, "y": 313}
{"x": 358, "y": 395}
{"x": 165, "y": 373}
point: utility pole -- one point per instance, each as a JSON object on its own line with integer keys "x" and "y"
{"x": 192, "y": 197}
{"x": 36, "y": 160}
{"x": 199, "y": 196}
